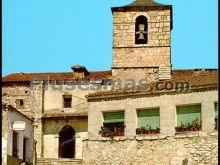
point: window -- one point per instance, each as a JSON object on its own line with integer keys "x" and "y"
{"x": 141, "y": 30}
{"x": 67, "y": 101}
{"x": 19, "y": 103}
{"x": 189, "y": 117}
{"x": 148, "y": 121}
{"x": 15, "y": 144}
{"x": 114, "y": 122}
{"x": 216, "y": 116}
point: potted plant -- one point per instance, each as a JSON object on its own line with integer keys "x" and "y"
{"x": 157, "y": 130}
{"x": 138, "y": 131}
{"x": 194, "y": 125}
{"x": 186, "y": 128}
{"x": 104, "y": 131}
{"x": 190, "y": 126}
{"x": 110, "y": 134}
{"x": 142, "y": 130}
{"x": 178, "y": 129}
{"x": 198, "y": 124}
{"x": 182, "y": 126}
{"x": 123, "y": 126}
{"x": 148, "y": 129}
{"x": 153, "y": 131}
{"x": 120, "y": 130}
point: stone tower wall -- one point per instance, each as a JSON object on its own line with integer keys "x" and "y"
{"x": 157, "y": 51}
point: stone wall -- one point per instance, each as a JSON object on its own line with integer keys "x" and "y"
{"x": 11, "y": 93}
{"x": 149, "y": 74}
{"x": 141, "y": 57}
{"x": 197, "y": 148}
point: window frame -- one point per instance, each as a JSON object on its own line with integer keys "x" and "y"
{"x": 148, "y": 109}
{"x": 114, "y": 126}
{"x": 185, "y": 128}
{"x": 65, "y": 103}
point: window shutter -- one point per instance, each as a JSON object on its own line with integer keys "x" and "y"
{"x": 113, "y": 117}
{"x": 187, "y": 114}
{"x": 149, "y": 117}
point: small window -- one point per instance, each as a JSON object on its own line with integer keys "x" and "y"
{"x": 15, "y": 144}
{"x": 148, "y": 121}
{"x": 114, "y": 122}
{"x": 188, "y": 118}
{"x": 141, "y": 30}
{"x": 19, "y": 103}
{"x": 216, "y": 116}
{"x": 67, "y": 101}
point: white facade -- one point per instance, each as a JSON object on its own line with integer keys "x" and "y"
{"x": 7, "y": 140}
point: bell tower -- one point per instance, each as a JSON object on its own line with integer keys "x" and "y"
{"x": 141, "y": 41}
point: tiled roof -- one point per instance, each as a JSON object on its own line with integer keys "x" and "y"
{"x": 144, "y": 3}
{"x": 198, "y": 80}
{"x": 26, "y": 77}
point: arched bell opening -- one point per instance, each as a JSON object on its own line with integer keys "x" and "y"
{"x": 141, "y": 30}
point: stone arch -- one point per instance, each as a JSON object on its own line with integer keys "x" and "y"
{"x": 67, "y": 142}
{"x": 143, "y": 14}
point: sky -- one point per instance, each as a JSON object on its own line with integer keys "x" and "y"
{"x": 53, "y": 35}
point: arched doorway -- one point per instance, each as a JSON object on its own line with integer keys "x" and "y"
{"x": 67, "y": 142}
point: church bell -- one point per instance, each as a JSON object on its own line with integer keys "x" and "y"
{"x": 141, "y": 30}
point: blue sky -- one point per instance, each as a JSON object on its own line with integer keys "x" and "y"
{"x": 53, "y": 35}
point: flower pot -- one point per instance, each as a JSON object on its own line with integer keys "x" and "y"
{"x": 182, "y": 129}
{"x": 191, "y": 129}
{"x": 104, "y": 134}
{"x": 119, "y": 133}
{"x": 149, "y": 132}
{"x": 153, "y": 131}
{"x": 195, "y": 129}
